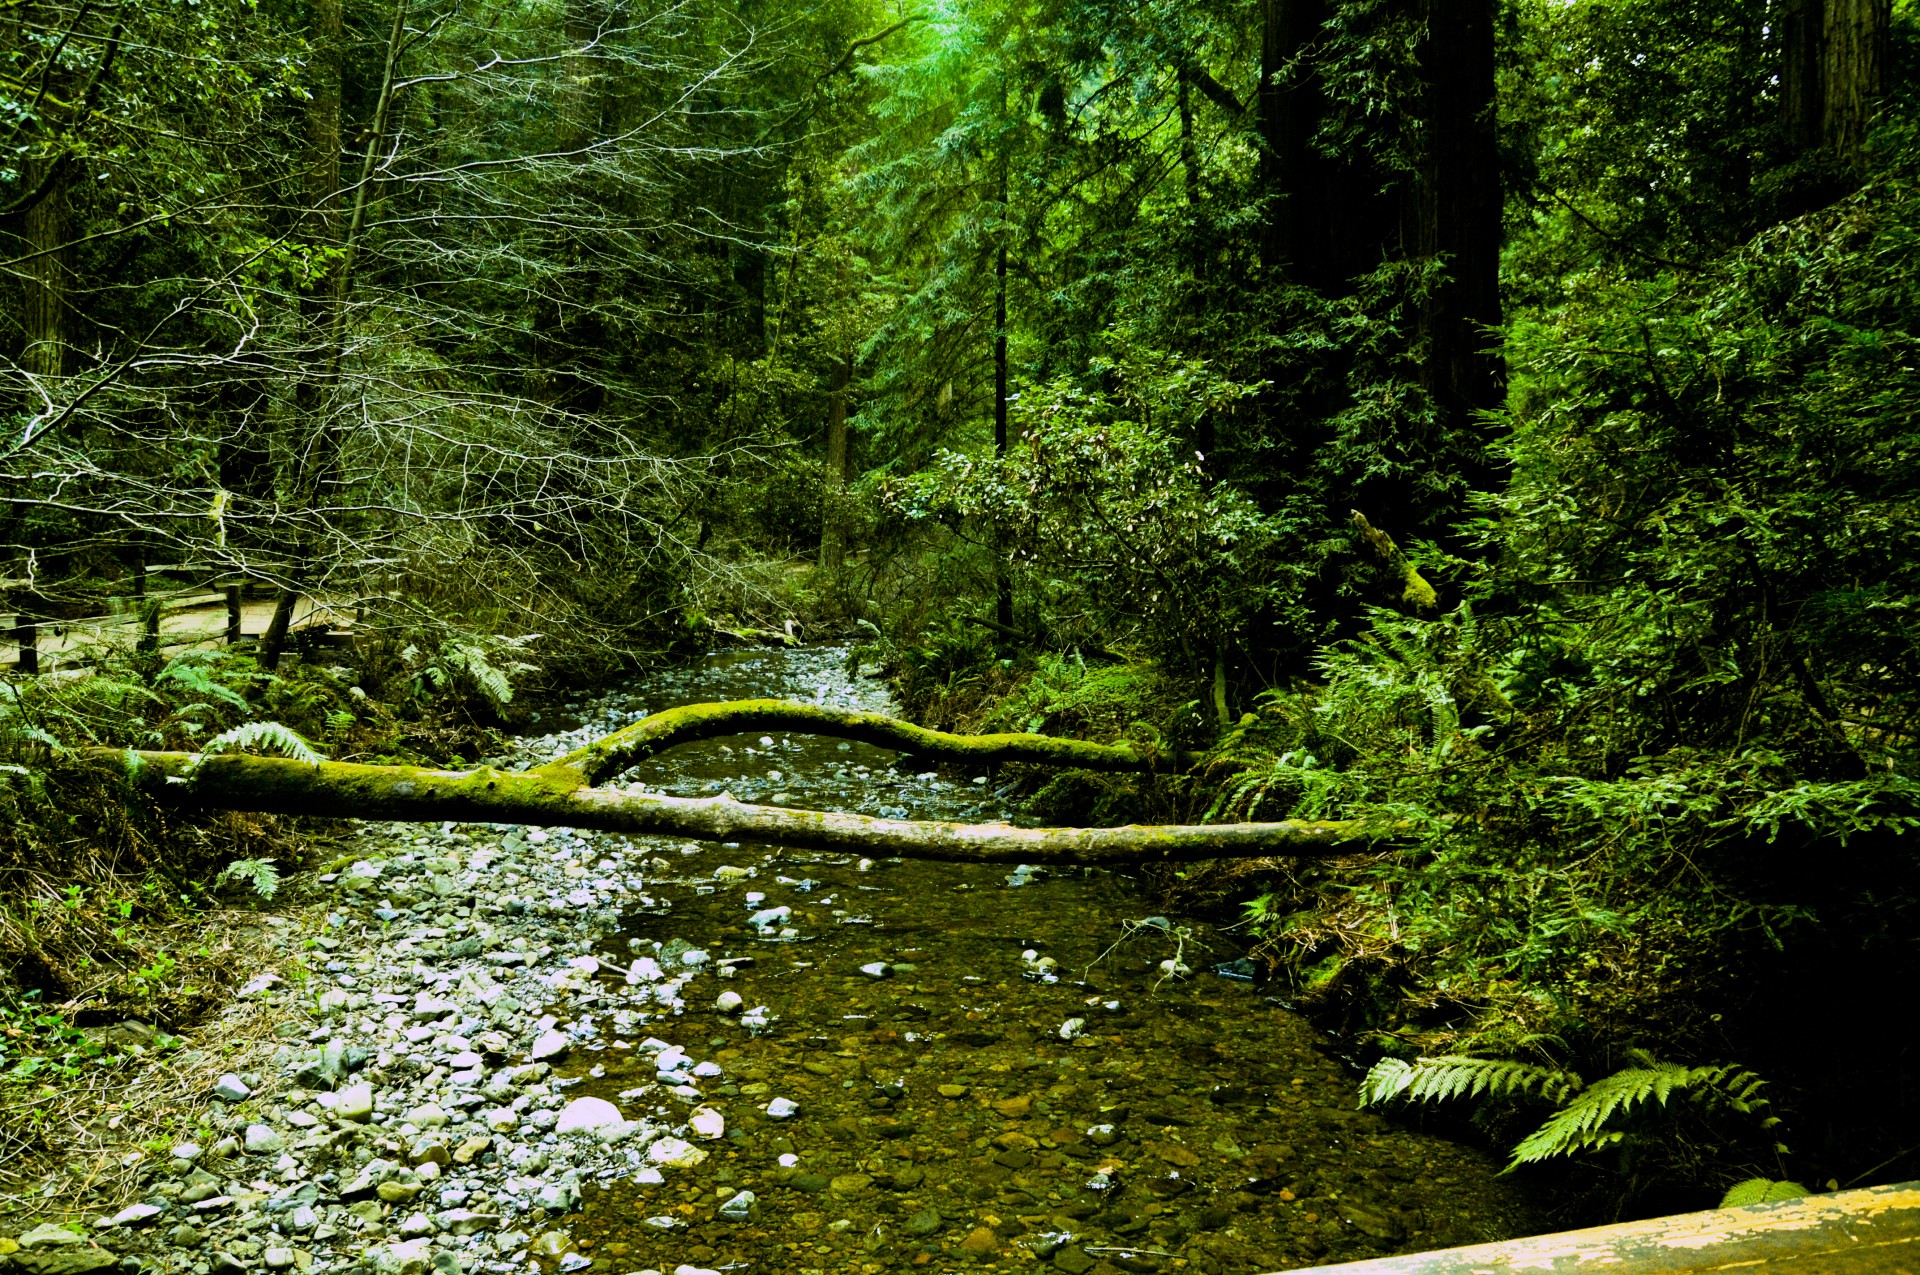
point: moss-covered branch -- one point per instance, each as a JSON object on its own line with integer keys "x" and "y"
{"x": 561, "y": 798}
{"x": 607, "y": 757}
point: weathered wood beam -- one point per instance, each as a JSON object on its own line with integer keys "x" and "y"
{"x": 1872, "y": 1231}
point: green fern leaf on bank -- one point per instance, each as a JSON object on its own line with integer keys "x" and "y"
{"x": 1761, "y": 1191}
{"x": 271, "y": 736}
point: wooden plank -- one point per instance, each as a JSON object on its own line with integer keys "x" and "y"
{"x": 1872, "y": 1231}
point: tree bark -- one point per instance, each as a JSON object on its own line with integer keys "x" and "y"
{"x": 1003, "y": 577}
{"x": 833, "y": 532}
{"x": 44, "y": 303}
{"x": 1857, "y": 37}
{"x": 1833, "y": 71}
{"x": 562, "y": 794}
{"x": 1454, "y": 210}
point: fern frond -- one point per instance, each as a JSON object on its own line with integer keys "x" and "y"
{"x": 1761, "y": 1191}
{"x": 1385, "y": 1081}
{"x": 261, "y": 735}
{"x": 1580, "y": 1125}
{"x": 258, "y": 873}
{"x": 1460, "y": 1076}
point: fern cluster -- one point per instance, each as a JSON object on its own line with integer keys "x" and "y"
{"x": 1589, "y": 1115}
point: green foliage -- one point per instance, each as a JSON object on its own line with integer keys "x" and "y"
{"x": 258, "y": 874}
{"x": 1761, "y": 1191}
{"x": 476, "y": 664}
{"x": 268, "y": 736}
{"x": 1439, "y": 1079}
{"x": 1590, "y": 1116}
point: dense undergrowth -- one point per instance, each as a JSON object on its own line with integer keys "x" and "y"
{"x": 1652, "y": 774}
{"x": 112, "y": 908}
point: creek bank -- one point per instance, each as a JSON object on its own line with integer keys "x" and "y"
{"x": 588, "y": 1050}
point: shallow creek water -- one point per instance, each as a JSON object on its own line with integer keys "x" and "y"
{"x": 935, "y": 1067}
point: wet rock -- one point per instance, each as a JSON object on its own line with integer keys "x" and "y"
{"x": 230, "y": 1088}
{"x": 705, "y": 1122}
{"x": 587, "y": 1115}
{"x": 134, "y": 1215}
{"x": 923, "y": 1223}
{"x": 674, "y": 1153}
{"x": 952, "y": 1091}
{"x": 354, "y": 1104}
{"x": 740, "y": 1207}
{"x": 185, "y": 1236}
{"x": 1017, "y": 1108}
{"x": 410, "y": 1257}
{"x": 980, "y": 1242}
{"x": 1073, "y": 1260}
{"x": 550, "y": 1045}
{"x": 782, "y": 1109}
{"x": 1369, "y": 1221}
{"x": 728, "y": 1002}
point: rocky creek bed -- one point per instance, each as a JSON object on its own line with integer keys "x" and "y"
{"x": 522, "y": 1048}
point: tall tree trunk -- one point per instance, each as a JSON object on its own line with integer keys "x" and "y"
{"x": 315, "y": 461}
{"x": 1003, "y": 577}
{"x": 833, "y": 531}
{"x": 1833, "y": 72}
{"x": 1189, "y": 157}
{"x": 1454, "y": 208}
{"x": 1856, "y": 49}
{"x": 318, "y": 305}
{"x": 44, "y": 303}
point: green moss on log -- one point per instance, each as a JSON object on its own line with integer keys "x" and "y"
{"x": 559, "y": 798}
{"x": 609, "y": 756}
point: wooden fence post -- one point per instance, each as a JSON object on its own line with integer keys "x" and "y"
{"x": 27, "y": 633}
{"x": 147, "y": 608}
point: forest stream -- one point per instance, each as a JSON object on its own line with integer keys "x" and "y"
{"x": 822, "y": 1064}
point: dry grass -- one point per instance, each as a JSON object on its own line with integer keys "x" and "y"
{"x": 76, "y": 1146}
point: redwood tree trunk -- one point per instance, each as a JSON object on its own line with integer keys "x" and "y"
{"x": 44, "y": 303}
{"x": 1833, "y": 69}
{"x": 833, "y": 532}
{"x": 1453, "y": 208}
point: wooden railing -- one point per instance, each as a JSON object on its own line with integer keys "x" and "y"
{"x": 1872, "y": 1231}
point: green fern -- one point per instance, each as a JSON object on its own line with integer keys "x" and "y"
{"x": 1587, "y": 1112}
{"x": 195, "y": 679}
{"x": 1457, "y": 1076}
{"x": 1761, "y": 1191}
{"x": 257, "y": 873}
{"x": 260, "y": 735}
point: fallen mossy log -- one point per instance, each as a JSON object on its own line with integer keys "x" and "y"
{"x": 607, "y": 757}
{"x": 562, "y": 793}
